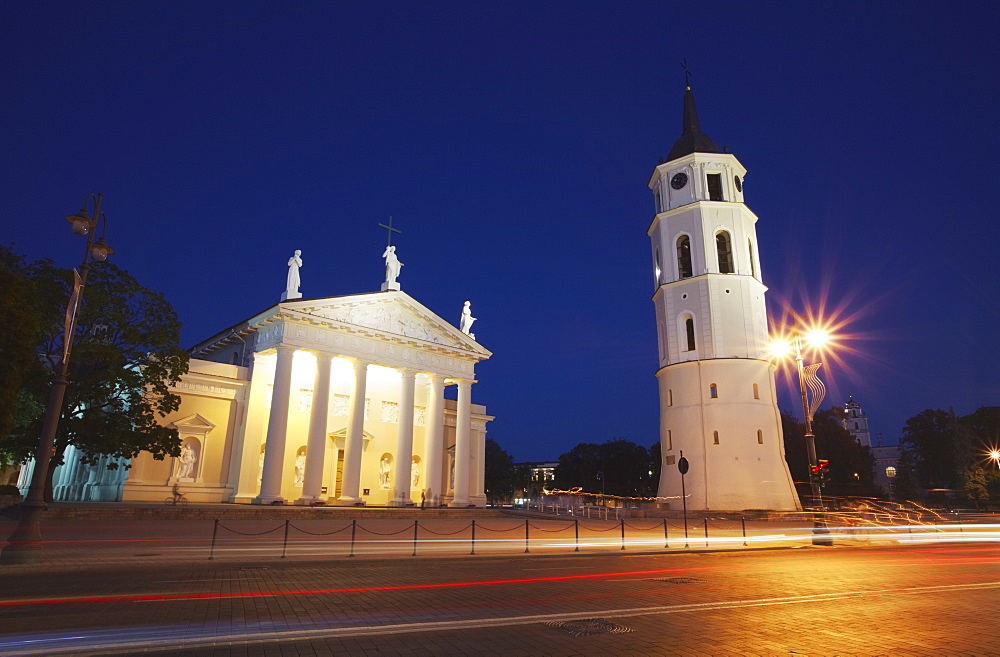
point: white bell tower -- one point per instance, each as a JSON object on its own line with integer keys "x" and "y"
{"x": 717, "y": 393}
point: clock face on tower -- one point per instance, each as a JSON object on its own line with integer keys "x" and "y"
{"x": 679, "y": 180}
{"x": 738, "y": 183}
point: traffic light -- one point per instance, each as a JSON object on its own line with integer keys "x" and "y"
{"x": 821, "y": 471}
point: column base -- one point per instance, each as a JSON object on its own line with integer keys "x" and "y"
{"x": 268, "y": 500}
{"x": 460, "y": 504}
{"x": 478, "y": 500}
{"x": 401, "y": 501}
{"x": 348, "y": 501}
{"x": 310, "y": 501}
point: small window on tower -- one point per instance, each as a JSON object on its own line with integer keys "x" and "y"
{"x": 689, "y": 329}
{"x": 723, "y": 247}
{"x": 753, "y": 268}
{"x": 670, "y": 397}
{"x": 670, "y": 440}
{"x": 760, "y": 437}
{"x": 715, "y": 437}
{"x": 756, "y": 392}
{"x": 684, "y": 268}
{"x": 715, "y": 187}
{"x": 714, "y": 391}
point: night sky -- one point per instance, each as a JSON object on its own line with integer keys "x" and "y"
{"x": 512, "y": 143}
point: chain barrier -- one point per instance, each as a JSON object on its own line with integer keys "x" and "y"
{"x": 591, "y": 529}
{"x": 229, "y": 529}
{"x": 642, "y": 529}
{"x": 372, "y": 531}
{"x": 457, "y": 531}
{"x": 509, "y": 529}
{"x": 542, "y": 529}
{"x": 306, "y": 531}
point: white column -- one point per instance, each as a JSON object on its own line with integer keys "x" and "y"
{"x": 312, "y": 478}
{"x": 434, "y": 438}
{"x": 404, "y": 440}
{"x": 463, "y": 446}
{"x": 351, "y": 490}
{"x": 479, "y": 469}
{"x": 277, "y": 426}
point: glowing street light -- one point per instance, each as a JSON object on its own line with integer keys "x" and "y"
{"x": 809, "y": 382}
{"x": 994, "y": 455}
{"x": 25, "y": 543}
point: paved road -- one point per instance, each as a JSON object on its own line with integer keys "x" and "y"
{"x": 904, "y": 600}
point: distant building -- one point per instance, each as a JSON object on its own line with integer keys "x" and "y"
{"x": 886, "y": 462}
{"x": 542, "y": 472}
{"x": 856, "y": 422}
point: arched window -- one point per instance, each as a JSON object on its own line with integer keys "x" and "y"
{"x": 670, "y": 397}
{"x": 684, "y": 268}
{"x": 670, "y": 440}
{"x": 715, "y": 437}
{"x": 724, "y": 249}
{"x": 714, "y": 391}
{"x": 689, "y": 329}
{"x": 659, "y": 268}
{"x": 756, "y": 393}
{"x": 856, "y": 425}
{"x": 236, "y": 358}
{"x": 760, "y": 437}
{"x": 753, "y": 267}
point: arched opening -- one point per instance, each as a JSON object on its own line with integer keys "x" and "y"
{"x": 689, "y": 331}
{"x": 715, "y": 437}
{"x": 659, "y": 268}
{"x": 756, "y": 392}
{"x": 724, "y": 249}
{"x": 760, "y": 437}
{"x": 684, "y": 268}
{"x": 753, "y": 267}
{"x": 714, "y": 391}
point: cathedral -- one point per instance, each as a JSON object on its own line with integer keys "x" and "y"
{"x": 333, "y": 400}
{"x": 718, "y": 404}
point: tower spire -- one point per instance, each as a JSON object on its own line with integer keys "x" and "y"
{"x": 692, "y": 139}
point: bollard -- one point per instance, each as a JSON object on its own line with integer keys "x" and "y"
{"x": 525, "y": 536}
{"x": 215, "y": 530}
{"x": 706, "y": 532}
{"x": 576, "y": 529}
{"x": 354, "y": 527}
{"x": 623, "y": 533}
{"x": 473, "y": 537}
{"x": 743, "y": 521}
{"x": 284, "y": 547}
{"x": 666, "y": 539}
{"x": 414, "y": 538}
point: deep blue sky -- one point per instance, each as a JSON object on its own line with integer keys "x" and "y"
{"x": 512, "y": 143}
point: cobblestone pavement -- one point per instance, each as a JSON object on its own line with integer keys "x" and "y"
{"x": 904, "y": 600}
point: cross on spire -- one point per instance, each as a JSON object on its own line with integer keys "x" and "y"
{"x": 390, "y": 231}
{"x": 687, "y": 73}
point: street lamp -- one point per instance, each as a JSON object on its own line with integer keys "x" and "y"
{"x": 809, "y": 382}
{"x": 994, "y": 455}
{"x": 25, "y": 543}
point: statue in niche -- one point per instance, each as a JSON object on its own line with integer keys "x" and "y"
{"x": 186, "y": 462}
{"x": 384, "y": 468}
{"x": 300, "y": 468}
{"x": 293, "y": 282}
{"x": 466, "y": 324}
{"x": 392, "y": 264}
{"x": 414, "y": 475}
{"x": 260, "y": 468}
{"x": 451, "y": 477}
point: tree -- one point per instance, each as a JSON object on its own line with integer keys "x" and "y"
{"x": 942, "y": 449}
{"x": 125, "y": 357}
{"x": 499, "y": 477}
{"x": 850, "y": 463}
{"x": 616, "y": 467}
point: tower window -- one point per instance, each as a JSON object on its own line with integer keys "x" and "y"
{"x": 760, "y": 437}
{"x": 714, "y": 391}
{"x": 724, "y": 249}
{"x": 689, "y": 329}
{"x": 756, "y": 392}
{"x": 684, "y": 268}
{"x": 659, "y": 269}
{"x": 656, "y": 196}
{"x": 670, "y": 397}
{"x": 715, "y": 437}
{"x": 715, "y": 187}
{"x": 753, "y": 267}
{"x": 670, "y": 440}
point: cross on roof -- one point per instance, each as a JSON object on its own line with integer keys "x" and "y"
{"x": 687, "y": 73}
{"x": 390, "y": 231}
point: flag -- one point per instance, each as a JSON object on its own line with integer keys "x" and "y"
{"x": 74, "y": 302}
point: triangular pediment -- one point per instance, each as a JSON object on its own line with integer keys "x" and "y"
{"x": 193, "y": 423}
{"x": 392, "y": 313}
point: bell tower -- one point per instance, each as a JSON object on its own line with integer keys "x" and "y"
{"x": 717, "y": 390}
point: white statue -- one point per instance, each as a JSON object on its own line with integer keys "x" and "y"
{"x": 300, "y": 468}
{"x": 383, "y": 473}
{"x": 392, "y": 264}
{"x": 467, "y": 319}
{"x": 185, "y": 467}
{"x": 292, "y": 285}
{"x": 414, "y": 475}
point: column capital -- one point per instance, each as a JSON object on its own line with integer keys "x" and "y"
{"x": 284, "y": 348}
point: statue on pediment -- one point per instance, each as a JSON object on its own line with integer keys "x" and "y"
{"x": 392, "y": 264}
{"x": 293, "y": 281}
{"x": 467, "y": 319}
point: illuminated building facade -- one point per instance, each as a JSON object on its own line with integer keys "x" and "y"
{"x": 856, "y": 422}
{"x": 717, "y": 390}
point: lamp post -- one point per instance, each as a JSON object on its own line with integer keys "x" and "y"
{"x": 25, "y": 543}
{"x": 994, "y": 456}
{"x": 810, "y": 382}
